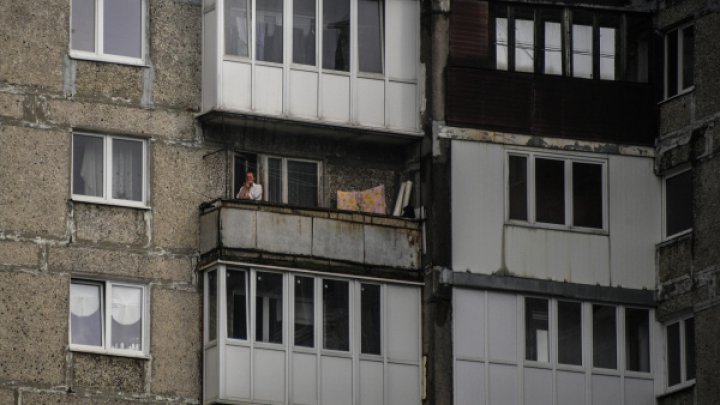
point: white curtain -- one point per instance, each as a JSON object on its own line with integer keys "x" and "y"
{"x": 127, "y": 169}
{"x": 90, "y": 150}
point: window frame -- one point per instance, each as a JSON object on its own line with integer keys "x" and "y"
{"x": 107, "y": 198}
{"x": 99, "y": 54}
{"x": 684, "y": 381}
{"x": 568, "y": 161}
{"x": 106, "y": 287}
{"x": 265, "y": 168}
{"x": 681, "y": 89}
{"x": 664, "y": 224}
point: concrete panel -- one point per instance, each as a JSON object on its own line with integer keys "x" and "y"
{"x": 403, "y": 384}
{"x": 268, "y": 91}
{"x": 107, "y": 224}
{"x": 605, "y": 390}
{"x": 239, "y": 228}
{"x": 469, "y": 383}
{"x": 108, "y": 372}
{"x": 335, "y": 98}
{"x": 371, "y": 102}
{"x": 281, "y": 233}
{"x": 64, "y": 398}
{"x": 34, "y": 163}
{"x": 209, "y": 231}
{"x": 403, "y": 113}
{"x": 477, "y": 206}
{"x": 269, "y": 375}
{"x": 237, "y": 372}
{"x": 371, "y": 383}
{"x": 236, "y": 85}
{"x": 117, "y": 80}
{"x": 468, "y": 323}
{"x": 176, "y": 343}
{"x": 303, "y": 94}
{"x": 304, "y": 379}
{"x": 33, "y": 350}
{"x": 7, "y": 397}
{"x": 392, "y": 247}
{"x": 23, "y": 254}
{"x": 503, "y": 386}
{"x": 338, "y": 240}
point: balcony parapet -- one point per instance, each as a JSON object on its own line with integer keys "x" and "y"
{"x": 314, "y": 238}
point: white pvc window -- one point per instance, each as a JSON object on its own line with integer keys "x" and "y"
{"x": 108, "y": 30}
{"x": 292, "y": 181}
{"x": 501, "y": 43}
{"x": 524, "y": 45}
{"x": 108, "y": 317}
{"x": 582, "y": 51}
{"x": 679, "y": 74}
{"x": 109, "y": 169}
{"x": 553, "y": 48}
{"x": 680, "y": 351}
{"x": 607, "y": 53}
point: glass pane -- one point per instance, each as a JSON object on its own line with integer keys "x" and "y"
{"x": 88, "y": 165}
{"x": 637, "y": 339}
{"x": 607, "y": 53}
{"x": 269, "y": 31}
{"x": 336, "y": 35}
{"x": 370, "y": 35}
{"x": 673, "y": 354}
{"x": 304, "y": 311}
{"x": 671, "y": 64}
{"x": 86, "y": 319}
{"x": 569, "y": 333}
{"x": 678, "y": 203}
{"x": 524, "y": 45}
{"x": 582, "y": 51}
{"x": 537, "y": 339}
{"x": 517, "y": 187}
{"x": 302, "y": 183}
{"x": 122, "y": 33}
{"x": 82, "y": 35}
{"x": 336, "y": 315}
{"x": 237, "y": 23}
{"x": 604, "y": 337}
{"x": 127, "y": 169}
{"x": 236, "y": 296}
{"x": 304, "y": 27}
{"x": 501, "y": 43}
{"x": 690, "y": 349}
{"x": 126, "y": 314}
{"x": 269, "y": 307}
{"x": 553, "y": 48}
{"x": 370, "y": 328}
{"x": 212, "y": 305}
{"x": 275, "y": 180}
{"x": 550, "y": 191}
{"x": 688, "y": 56}
{"x": 587, "y": 195}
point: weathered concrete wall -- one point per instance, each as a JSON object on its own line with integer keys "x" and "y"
{"x": 689, "y": 266}
{"x": 46, "y": 239}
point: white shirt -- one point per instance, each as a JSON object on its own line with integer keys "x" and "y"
{"x": 255, "y": 193}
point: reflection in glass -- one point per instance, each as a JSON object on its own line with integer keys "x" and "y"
{"x": 304, "y": 32}
{"x": 501, "y": 43}
{"x": 127, "y": 169}
{"x": 122, "y": 28}
{"x": 336, "y": 35}
{"x": 524, "y": 45}
{"x": 553, "y": 48}
{"x": 82, "y": 35}
{"x": 637, "y": 339}
{"x": 126, "y": 315}
{"x": 582, "y": 40}
{"x": 569, "y": 333}
{"x": 604, "y": 337}
{"x": 370, "y": 35}
{"x": 537, "y": 338}
{"x": 88, "y": 165}
{"x": 237, "y": 25}
{"x": 370, "y": 318}
{"x": 236, "y": 296}
{"x": 302, "y": 183}
{"x": 269, "y": 30}
{"x": 336, "y": 311}
{"x": 304, "y": 312}
{"x": 86, "y": 314}
{"x": 269, "y": 307}
{"x": 607, "y": 53}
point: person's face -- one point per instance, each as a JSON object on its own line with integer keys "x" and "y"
{"x": 249, "y": 178}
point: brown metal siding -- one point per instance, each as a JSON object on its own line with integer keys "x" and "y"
{"x": 469, "y": 33}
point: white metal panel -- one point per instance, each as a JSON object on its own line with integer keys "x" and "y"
{"x": 606, "y": 390}
{"x": 503, "y": 385}
{"x": 639, "y": 391}
{"x": 335, "y": 97}
{"x": 635, "y": 212}
{"x": 538, "y": 386}
{"x": 268, "y": 95}
{"x": 210, "y": 60}
{"x": 403, "y": 323}
{"x": 269, "y": 375}
{"x": 236, "y": 85}
{"x": 403, "y": 112}
{"x": 371, "y": 102}
{"x": 237, "y": 372}
{"x": 304, "y": 379}
{"x": 371, "y": 383}
{"x": 402, "y": 30}
{"x": 469, "y": 383}
{"x": 469, "y": 323}
{"x": 558, "y": 255}
{"x": 570, "y": 388}
{"x": 502, "y": 326}
{"x": 403, "y": 384}
{"x": 212, "y": 375}
{"x": 303, "y": 94}
{"x": 477, "y": 206}
{"x": 336, "y": 385}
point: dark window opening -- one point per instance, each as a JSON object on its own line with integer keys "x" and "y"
{"x": 678, "y": 203}
{"x": 569, "y": 333}
{"x": 604, "y": 337}
{"x": 587, "y": 195}
{"x": 518, "y": 187}
{"x": 550, "y": 191}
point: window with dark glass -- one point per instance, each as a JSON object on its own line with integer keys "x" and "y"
{"x": 304, "y": 28}
{"x": 680, "y": 346}
{"x": 237, "y": 28}
{"x": 336, "y": 315}
{"x": 269, "y": 307}
{"x": 678, "y": 203}
{"x": 517, "y": 187}
{"x": 587, "y": 195}
{"x": 370, "y": 35}
{"x": 550, "y": 191}
{"x": 304, "y": 311}
{"x": 679, "y": 60}
{"x": 370, "y": 318}
{"x": 604, "y": 324}
{"x": 537, "y": 336}
{"x": 292, "y": 181}
{"x": 236, "y": 296}
{"x": 212, "y": 305}
{"x": 336, "y": 35}
{"x": 269, "y": 30}
{"x": 107, "y": 29}
{"x": 673, "y": 354}
{"x": 569, "y": 333}
{"x": 637, "y": 340}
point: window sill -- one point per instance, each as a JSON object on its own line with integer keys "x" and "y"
{"x": 676, "y": 96}
{"x": 112, "y": 203}
{"x": 107, "y": 59}
{"x": 113, "y": 353}
{"x": 561, "y": 228}
{"x": 677, "y": 388}
{"x": 672, "y": 239}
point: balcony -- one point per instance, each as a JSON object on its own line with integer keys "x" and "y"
{"x": 310, "y": 238}
{"x": 553, "y": 106}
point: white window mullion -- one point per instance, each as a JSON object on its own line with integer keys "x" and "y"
{"x": 530, "y": 180}
{"x": 680, "y": 64}
{"x": 683, "y": 367}
{"x": 568, "y": 193}
{"x": 107, "y": 166}
{"x": 107, "y": 343}
{"x": 284, "y": 176}
{"x": 99, "y": 27}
